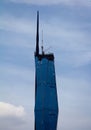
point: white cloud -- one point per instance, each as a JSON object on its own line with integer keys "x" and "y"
{"x": 49, "y": 2}
{"x": 71, "y": 37}
{"x": 74, "y": 103}
{"x": 22, "y": 26}
{"x": 68, "y": 34}
{"x": 14, "y": 117}
{"x": 12, "y": 71}
{"x": 17, "y": 83}
{"x": 74, "y": 89}
{"x": 76, "y": 59}
{"x": 9, "y": 110}
{"x": 10, "y": 23}
{"x": 71, "y": 42}
{"x": 82, "y": 59}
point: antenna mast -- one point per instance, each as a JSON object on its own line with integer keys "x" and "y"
{"x": 42, "y": 48}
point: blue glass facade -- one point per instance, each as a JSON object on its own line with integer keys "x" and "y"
{"x": 46, "y": 104}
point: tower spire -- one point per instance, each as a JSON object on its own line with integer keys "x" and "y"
{"x": 37, "y": 35}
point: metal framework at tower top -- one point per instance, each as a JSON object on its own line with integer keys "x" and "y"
{"x": 46, "y": 102}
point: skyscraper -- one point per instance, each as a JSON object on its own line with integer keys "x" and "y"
{"x": 46, "y": 103}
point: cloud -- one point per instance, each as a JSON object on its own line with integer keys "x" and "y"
{"x": 76, "y": 59}
{"x": 13, "y": 117}
{"x": 74, "y": 104}
{"x": 50, "y": 2}
{"x": 18, "y": 31}
{"x": 9, "y": 110}
{"x": 71, "y": 37}
{"x": 70, "y": 41}
{"x": 17, "y": 83}
{"x": 19, "y": 25}
{"x": 17, "y": 74}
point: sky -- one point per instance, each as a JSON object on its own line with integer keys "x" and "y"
{"x": 66, "y": 26}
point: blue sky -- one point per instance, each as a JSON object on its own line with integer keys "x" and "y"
{"x": 66, "y": 25}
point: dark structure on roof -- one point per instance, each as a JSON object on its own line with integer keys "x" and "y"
{"x": 46, "y": 103}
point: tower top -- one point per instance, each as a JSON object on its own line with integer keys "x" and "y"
{"x": 37, "y": 54}
{"x": 37, "y": 35}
